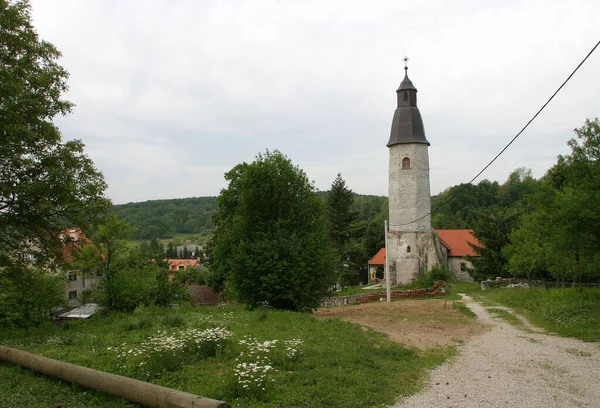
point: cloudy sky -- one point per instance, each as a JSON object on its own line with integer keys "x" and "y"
{"x": 172, "y": 94}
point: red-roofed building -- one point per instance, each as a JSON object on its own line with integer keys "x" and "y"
{"x": 457, "y": 242}
{"x": 179, "y": 265}
{"x": 457, "y": 246}
{"x": 74, "y": 239}
{"x": 378, "y": 261}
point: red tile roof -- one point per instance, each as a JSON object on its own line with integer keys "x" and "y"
{"x": 457, "y": 241}
{"x": 175, "y": 263}
{"x": 73, "y": 239}
{"x": 379, "y": 258}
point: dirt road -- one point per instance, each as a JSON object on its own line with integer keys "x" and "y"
{"x": 514, "y": 367}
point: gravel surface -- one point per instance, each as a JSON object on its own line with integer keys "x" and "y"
{"x": 514, "y": 367}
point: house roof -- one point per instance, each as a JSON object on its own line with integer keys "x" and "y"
{"x": 73, "y": 239}
{"x": 457, "y": 241}
{"x": 175, "y": 263}
{"x": 379, "y": 258}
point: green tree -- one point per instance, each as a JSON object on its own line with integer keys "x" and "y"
{"x": 270, "y": 241}
{"x": 108, "y": 259}
{"x": 492, "y": 232}
{"x": 171, "y": 251}
{"x": 562, "y": 233}
{"x": 45, "y": 183}
{"x": 28, "y": 295}
{"x": 342, "y": 219}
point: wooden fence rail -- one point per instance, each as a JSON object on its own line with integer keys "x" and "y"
{"x": 139, "y": 392}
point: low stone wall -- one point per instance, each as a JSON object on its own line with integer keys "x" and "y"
{"x": 337, "y": 301}
{"x": 524, "y": 283}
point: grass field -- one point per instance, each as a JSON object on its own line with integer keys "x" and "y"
{"x": 302, "y": 361}
{"x": 566, "y": 312}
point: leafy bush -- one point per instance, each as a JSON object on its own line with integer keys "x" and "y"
{"x": 428, "y": 278}
{"x": 28, "y": 295}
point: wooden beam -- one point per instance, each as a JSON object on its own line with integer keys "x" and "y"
{"x": 139, "y": 392}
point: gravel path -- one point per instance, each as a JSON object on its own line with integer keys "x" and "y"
{"x": 514, "y": 367}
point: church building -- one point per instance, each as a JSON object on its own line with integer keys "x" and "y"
{"x": 412, "y": 246}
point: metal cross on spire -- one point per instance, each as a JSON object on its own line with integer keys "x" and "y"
{"x": 405, "y": 59}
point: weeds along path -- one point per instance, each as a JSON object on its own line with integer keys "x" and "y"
{"x": 510, "y": 366}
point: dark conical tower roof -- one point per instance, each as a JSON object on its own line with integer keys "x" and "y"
{"x": 407, "y": 125}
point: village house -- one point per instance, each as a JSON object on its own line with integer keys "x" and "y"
{"x": 180, "y": 265}
{"x": 77, "y": 281}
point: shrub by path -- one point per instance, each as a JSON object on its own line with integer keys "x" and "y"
{"x": 514, "y": 366}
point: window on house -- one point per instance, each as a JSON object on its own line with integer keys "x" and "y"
{"x": 406, "y": 96}
{"x": 406, "y": 163}
{"x": 463, "y": 266}
{"x": 408, "y": 249}
{"x": 72, "y": 276}
{"x": 181, "y": 267}
{"x": 72, "y": 294}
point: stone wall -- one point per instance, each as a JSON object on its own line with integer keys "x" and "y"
{"x": 409, "y": 193}
{"x": 423, "y": 255}
{"x": 454, "y": 264}
{"x": 337, "y": 301}
{"x": 524, "y": 283}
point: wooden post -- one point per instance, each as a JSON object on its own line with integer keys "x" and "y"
{"x": 139, "y": 392}
{"x": 387, "y": 267}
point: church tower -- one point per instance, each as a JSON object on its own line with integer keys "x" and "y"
{"x": 412, "y": 247}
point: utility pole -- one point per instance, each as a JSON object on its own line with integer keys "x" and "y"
{"x": 387, "y": 268}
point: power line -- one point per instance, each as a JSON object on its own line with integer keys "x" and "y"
{"x": 511, "y": 141}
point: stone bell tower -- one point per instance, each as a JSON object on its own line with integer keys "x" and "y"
{"x": 412, "y": 245}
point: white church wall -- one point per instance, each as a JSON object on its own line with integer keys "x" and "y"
{"x": 409, "y": 192}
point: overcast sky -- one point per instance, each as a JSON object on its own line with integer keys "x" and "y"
{"x": 172, "y": 94}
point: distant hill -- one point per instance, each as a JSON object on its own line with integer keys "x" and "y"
{"x": 164, "y": 218}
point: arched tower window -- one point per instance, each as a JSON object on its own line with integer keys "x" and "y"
{"x": 408, "y": 249}
{"x": 406, "y": 163}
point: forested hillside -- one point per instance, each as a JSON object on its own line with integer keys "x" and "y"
{"x": 163, "y": 218}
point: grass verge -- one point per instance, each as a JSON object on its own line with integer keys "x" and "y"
{"x": 567, "y": 312}
{"x": 204, "y": 351}
{"x": 506, "y": 316}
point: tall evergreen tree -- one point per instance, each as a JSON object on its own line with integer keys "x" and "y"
{"x": 171, "y": 251}
{"x": 341, "y": 215}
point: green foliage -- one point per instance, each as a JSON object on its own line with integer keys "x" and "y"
{"x": 492, "y": 232}
{"x": 45, "y": 183}
{"x": 269, "y": 241}
{"x": 28, "y": 295}
{"x": 164, "y": 218}
{"x": 486, "y": 197}
{"x": 568, "y": 312}
{"x": 336, "y": 364}
{"x": 126, "y": 279}
{"x": 560, "y": 236}
{"x": 437, "y": 272}
{"x": 194, "y": 275}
